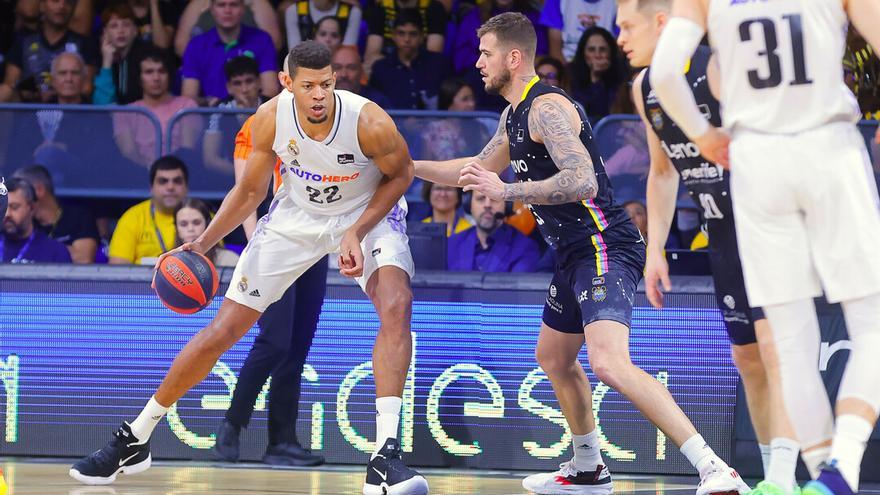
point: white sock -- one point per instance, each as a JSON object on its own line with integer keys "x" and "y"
{"x": 814, "y": 458}
{"x": 783, "y": 461}
{"x": 765, "y": 456}
{"x": 387, "y": 420}
{"x": 851, "y": 434}
{"x": 587, "y": 455}
{"x": 143, "y": 425}
{"x": 701, "y": 456}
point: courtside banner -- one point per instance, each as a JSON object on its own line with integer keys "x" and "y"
{"x": 82, "y": 349}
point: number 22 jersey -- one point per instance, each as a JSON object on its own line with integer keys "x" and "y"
{"x": 328, "y": 177}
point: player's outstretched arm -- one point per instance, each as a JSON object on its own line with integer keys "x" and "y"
{"x": 494, "y": 157}
{"x": 250, "y": 190}
{"x": 661, "y": 191}
{"x": 554, "y": 121}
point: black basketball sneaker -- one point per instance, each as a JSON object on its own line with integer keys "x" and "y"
{"x": 569, "y": 480}
{"x": 122, "y": 454}
{"x": 388, "y": 475}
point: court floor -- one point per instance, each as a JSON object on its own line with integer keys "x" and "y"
{"x": 49, "y": 477}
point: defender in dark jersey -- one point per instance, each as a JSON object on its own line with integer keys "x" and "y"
{"x": 673, "y": 155}
{"x": 547, "y": 141}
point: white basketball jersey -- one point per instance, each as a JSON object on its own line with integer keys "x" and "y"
{"x": 329, "y": 177}
{"x": 780, "y": 63}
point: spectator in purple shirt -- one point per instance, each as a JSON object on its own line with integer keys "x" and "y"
{"x": 21, "y": 241}
{"x": 491, "y": 245}
{"x": 207, "y": 53}
{"x": 467, "y": 43}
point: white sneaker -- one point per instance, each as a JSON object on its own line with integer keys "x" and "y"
{"x": 722, "y": 481}
{"x": 569, "y": 480}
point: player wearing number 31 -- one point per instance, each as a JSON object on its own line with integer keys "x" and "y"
{"x": 547, "y": 141}
{"x": 800, "y": 184}
{"x": 344, "y": 170}
{"x": 674, "y": 155}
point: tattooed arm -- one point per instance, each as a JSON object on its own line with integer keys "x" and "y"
{"x": 494, "y": 157}
{"x": 554, "y": 121}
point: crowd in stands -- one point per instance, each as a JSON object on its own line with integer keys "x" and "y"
{"x": 409, "y": 48}
{"x": 163, "y": 56}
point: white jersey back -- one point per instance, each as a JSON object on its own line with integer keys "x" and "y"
{"x": 780, "y": 63}
{"x": 330, "y": 177}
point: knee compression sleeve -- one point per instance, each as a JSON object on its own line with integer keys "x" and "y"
{"x": 862, "y": 377}
{"x": 795, "y": 330}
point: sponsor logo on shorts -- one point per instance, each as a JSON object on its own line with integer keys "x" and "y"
{"x": 323, "y": 178}
{"x": 731, "y": 316}
{"x": 552, "y": 290}
{"x": 242, "y": 284}
{"x": 254, "y": 293}
{"x": 585, "y": 296}
{"x": 345, "y": 158}
{"x": 554, "y": 305}
{"x": 599, "y": 293}
{"x": 598, "y": 280}
{"x": 377, "y": 252}
{"x": 729, "y": 301}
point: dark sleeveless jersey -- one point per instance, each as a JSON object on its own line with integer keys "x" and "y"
{"x": 706, "y": 182}
{"x": 581, "y": 230}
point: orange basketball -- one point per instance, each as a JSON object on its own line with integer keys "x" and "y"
{"x": 186, "y": 282}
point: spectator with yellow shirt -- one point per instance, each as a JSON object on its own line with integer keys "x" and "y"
{"x": 445, "y": 202}
{"x": 147, "y": 229}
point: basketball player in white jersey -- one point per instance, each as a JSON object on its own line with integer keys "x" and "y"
{"x": 641, "y": 22}
{"x": 805, "y": 203}
{"x": 344, "y": 170}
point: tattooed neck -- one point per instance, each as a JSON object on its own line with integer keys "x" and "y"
{"x": 513, "y": 93}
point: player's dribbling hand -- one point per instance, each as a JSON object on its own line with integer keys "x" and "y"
{"x": 714, "y": 146}
{"x": 351, "y": 258}
{"x": 187, "y": 246}
{"x": 656, "y": 273}
{"x": 476, "y": 178}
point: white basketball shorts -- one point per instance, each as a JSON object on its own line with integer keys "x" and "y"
{"x": 807, "y": 214}
{"x": 289, "y": 240}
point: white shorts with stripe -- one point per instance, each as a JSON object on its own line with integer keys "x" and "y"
{"x": 807, "y": 214}
{"x": 289, "y": 240}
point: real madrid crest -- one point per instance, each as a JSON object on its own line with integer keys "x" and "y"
{"x": 292, "y": 147}
{"x": 657, "y": 118}
{"x": 242, "y": 284}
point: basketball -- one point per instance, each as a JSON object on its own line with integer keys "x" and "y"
{"x": 186, "y": 282}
